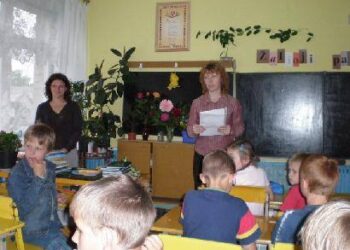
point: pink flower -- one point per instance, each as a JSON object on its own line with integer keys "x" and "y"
{"x": 166, "y": 105}
{"x": 164, "y": 117}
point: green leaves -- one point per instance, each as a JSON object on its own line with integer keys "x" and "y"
{"x": 227, "y": 36}
{"x": 101, "y": 93}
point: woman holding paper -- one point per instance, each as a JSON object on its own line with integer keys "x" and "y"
{"x": 215, "y": 117}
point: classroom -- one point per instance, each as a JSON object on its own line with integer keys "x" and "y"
{"x": 135, "y": 70}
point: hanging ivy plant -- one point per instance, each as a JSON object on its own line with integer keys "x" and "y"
{"x": 228, "y": 36}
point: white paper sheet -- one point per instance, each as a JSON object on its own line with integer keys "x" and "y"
{"x": 212, "y": 120}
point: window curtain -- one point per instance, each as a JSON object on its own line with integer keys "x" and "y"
{"x": 37, "y": 38}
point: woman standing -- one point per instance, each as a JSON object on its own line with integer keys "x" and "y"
{"x": 214, "y": 81}
{"x": 63, "y": 115}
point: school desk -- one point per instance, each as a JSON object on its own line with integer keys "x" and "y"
{"x": 170, "y": 224}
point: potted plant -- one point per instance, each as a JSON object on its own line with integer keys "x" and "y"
{"x": 9, "y": 145}
{"x": 100, "y": 93}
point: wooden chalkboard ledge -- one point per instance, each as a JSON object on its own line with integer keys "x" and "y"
{"x": 176, "y": 64}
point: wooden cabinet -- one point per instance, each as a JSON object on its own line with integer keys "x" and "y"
{"x": 171, "y": 164}
{"x": 138, "y": 152}
{"x": 172, "y": 169}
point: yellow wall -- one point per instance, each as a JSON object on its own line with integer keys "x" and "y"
{"x": 118, "y": 23}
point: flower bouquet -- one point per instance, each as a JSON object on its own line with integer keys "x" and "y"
{"x": 168, "y": 117}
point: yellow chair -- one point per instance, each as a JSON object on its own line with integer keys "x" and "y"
{"x": 252, "y": 194}
{"x": 284, "y": 246}
{"x": 173, "y": 242}
{"x": 8, "y": 210}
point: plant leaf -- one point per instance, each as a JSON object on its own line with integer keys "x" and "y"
{"x": 116, "y": 52}
{"x": 198, "y": 34}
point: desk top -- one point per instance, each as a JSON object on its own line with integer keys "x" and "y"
{"x": 8, "y": 225}
{"x": 170, "y": 223}
{"x": 4, "y": 173}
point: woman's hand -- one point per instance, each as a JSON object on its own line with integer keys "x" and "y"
{"x": 225, "y": 130}
{"x": 197, "y": 129}
{"x": 152, "y": 242}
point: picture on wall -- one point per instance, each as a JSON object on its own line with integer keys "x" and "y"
{"x": 172, "y": 26}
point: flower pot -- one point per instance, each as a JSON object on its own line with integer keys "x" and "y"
{"x": 131, "y": 136}
{"x": 7, "y": 159}
{"x": 145, "y": 134}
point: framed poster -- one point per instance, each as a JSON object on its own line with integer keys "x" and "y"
{"x": 173, "y": 26}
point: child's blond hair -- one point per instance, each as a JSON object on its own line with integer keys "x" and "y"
{"x": 321, "y": 174}
{"x": 328, "y": 227}
{"x": 216, "y": 164}
{"x": 43, "y": 133}
{"x": 298, "y": 157}
{"x": 118, "y": 204}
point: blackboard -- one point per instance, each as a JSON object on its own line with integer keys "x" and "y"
{"x": 190, "y": 88}
{"x": 286, "y": 113}
{"x": 336, "y": 112}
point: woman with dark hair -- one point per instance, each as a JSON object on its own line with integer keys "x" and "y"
{"x": 63, "y": 115}
{"x": 215, "y": 86}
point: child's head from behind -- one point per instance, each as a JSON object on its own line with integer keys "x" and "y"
{"x": 328, "y": 227}
{"x": 242, "y": 153}
{"x": 294, "y": 164}
{"x": 318, "y": 175}
{"x": 112, "y": 213}
{"x": 38, "y": 140}
{"x": 218, "y": 170}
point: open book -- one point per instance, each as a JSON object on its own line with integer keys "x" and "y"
{"x": 212, "y": 120}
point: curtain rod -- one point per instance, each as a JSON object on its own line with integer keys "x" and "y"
{"x": 177, "y": 64}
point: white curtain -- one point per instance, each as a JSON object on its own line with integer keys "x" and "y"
{"x": 37, "y": 38}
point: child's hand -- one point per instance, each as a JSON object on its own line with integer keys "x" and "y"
{"x": 225, "y": 130}
{"x": 61, "y": 200}
{"x": 152, "y": 242}
{"x": 197, "y": 129}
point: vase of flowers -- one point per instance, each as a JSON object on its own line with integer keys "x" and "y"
{"x": 168, "y": 117}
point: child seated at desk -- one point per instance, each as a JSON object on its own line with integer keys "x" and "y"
{"x": 242, "y": 153}
{"x": 212, "y": 213}
{"x": 294, "y": 199}
{"x": 31, "y": 185}
{"x": 113, "y": 213}
{"x": 318, "y": 178}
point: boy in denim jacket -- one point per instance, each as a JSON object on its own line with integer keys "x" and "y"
{"x": 32, "y": 187}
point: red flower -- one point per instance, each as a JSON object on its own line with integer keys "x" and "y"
{"x": 164, "y": 117}
{"x": 139, "y": 95}
{"x": 176, "y": 112}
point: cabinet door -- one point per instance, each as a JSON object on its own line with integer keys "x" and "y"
{"x": 138, "y": 152}
{"x": 172, "y": 169}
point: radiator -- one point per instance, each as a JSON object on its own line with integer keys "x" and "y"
{"x": 344, "y": 180}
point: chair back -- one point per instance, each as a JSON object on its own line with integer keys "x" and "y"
{"x": 173, "y": 242}
{"x": 8, "y": 209}
{"x": 252, "y": 194}
{"x": 284, "y": 246}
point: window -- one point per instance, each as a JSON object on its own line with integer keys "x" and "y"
{"x": 32, "y": 34}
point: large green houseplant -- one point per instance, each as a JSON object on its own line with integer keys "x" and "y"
{"x": 9, "y": 145}
{"x": 97, "y": 97}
